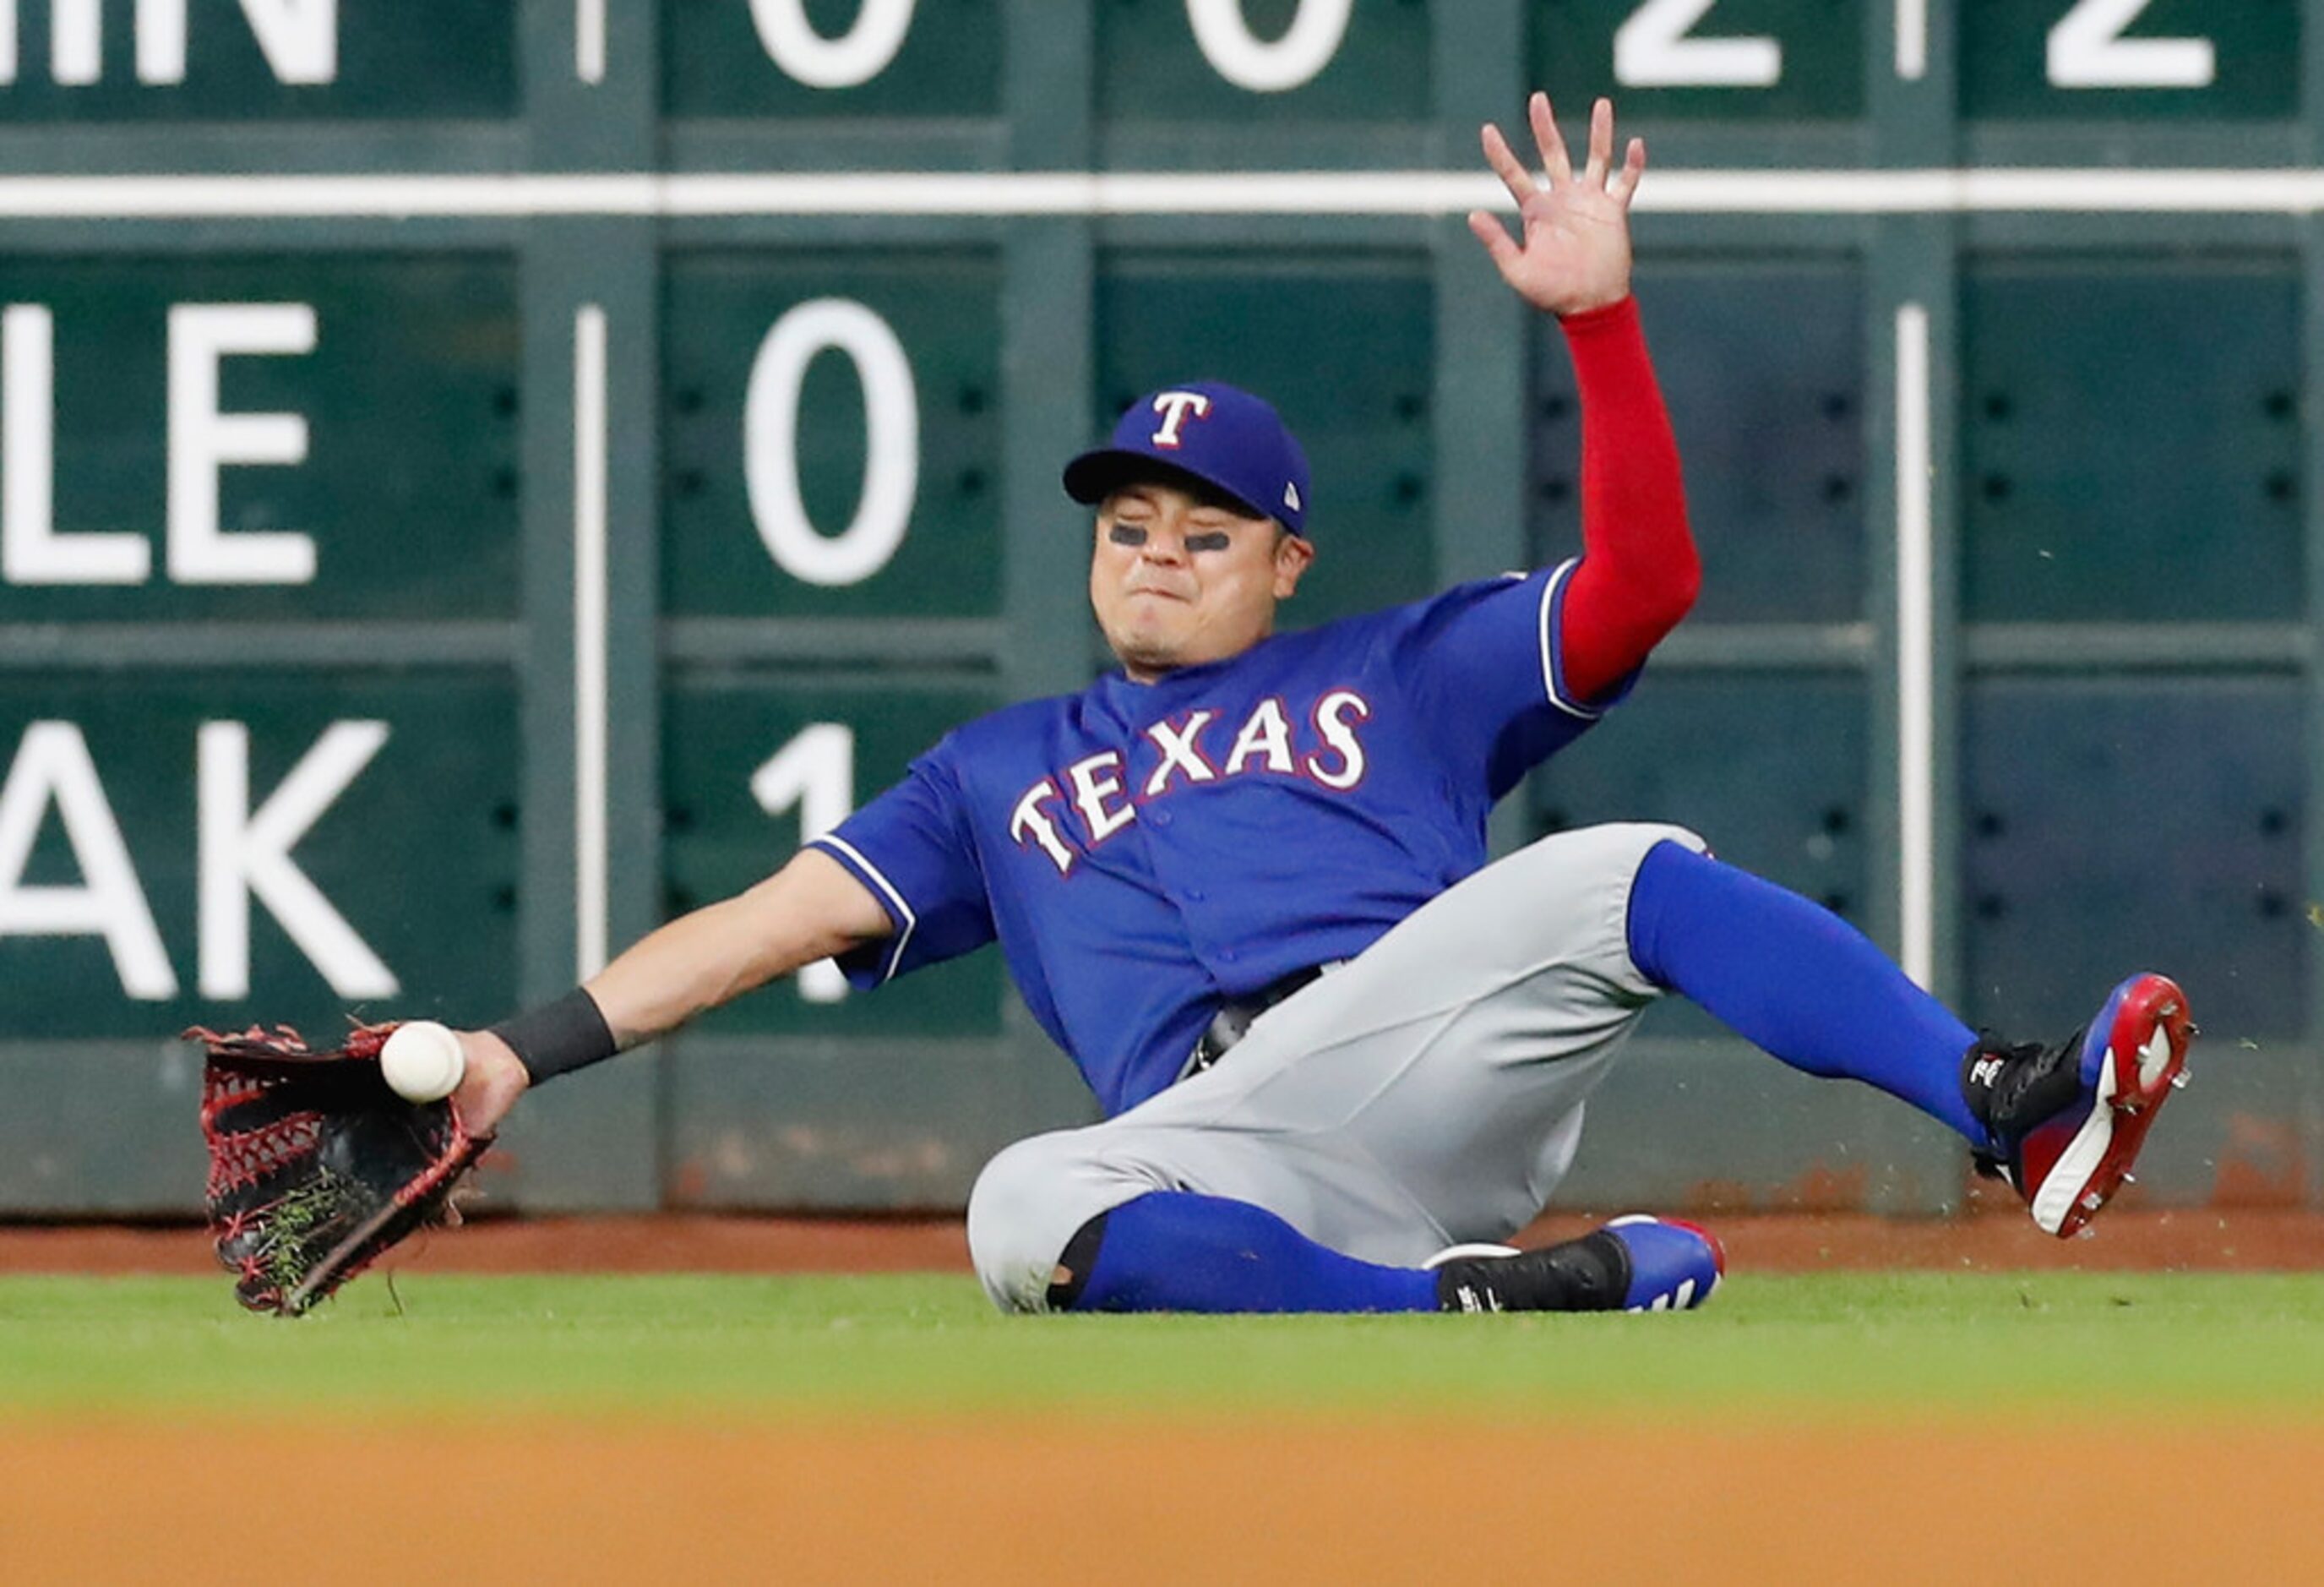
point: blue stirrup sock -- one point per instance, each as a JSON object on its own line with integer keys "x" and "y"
{"x": 1171, "y": 1251}
{"x": 1796, "y": 980}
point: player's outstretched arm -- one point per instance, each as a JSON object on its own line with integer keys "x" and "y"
{"x": 1639, "y": 572}
{"x": 1575, "y": 253}
{"x": 810, "y": 909}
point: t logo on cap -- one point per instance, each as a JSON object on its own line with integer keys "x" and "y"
{"x": 1174, "y": 406}
{"x": 1210, "y": 432}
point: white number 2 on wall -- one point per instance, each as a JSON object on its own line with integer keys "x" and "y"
{"x": 1652, "y": 49}
{"x": 2087, "y": 50}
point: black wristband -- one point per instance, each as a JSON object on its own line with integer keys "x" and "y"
{"x": 558, "y": 1038}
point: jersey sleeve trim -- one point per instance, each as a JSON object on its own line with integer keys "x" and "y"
{"x": 886, "y": 892}
{"x": 1553, "y": 661}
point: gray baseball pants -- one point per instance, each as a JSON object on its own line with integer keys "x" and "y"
{"x": 1428, "y": 1092}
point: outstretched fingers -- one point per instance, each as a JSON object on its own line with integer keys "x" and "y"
{"x": 1496, "y": 240}
{"x": 1601, "y": 144}
{"x": 1624, "y": 182}
{"x": 1570, "y": 249}
{"x": 1507, "y": 166}
{"x": 1549, "y": 140}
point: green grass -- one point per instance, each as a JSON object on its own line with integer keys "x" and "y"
{"x": 722, "y": 1348}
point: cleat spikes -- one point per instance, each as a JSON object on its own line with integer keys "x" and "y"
{"x": 2066, "y": 1121}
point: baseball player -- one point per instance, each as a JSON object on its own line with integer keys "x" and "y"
{"x": 1241, "y": 880}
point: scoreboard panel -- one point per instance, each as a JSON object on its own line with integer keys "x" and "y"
{"x": 162, "y": 61}
{"x": 1756, "y": 61}
{"x": 1263, "y": 63}
{"x": 1794, "y": 808}
{"x": 290, "y": 437}
{"x": 803, "y": 60}
{"x": 186, "y": 847}
{"x": 1281, "y": 63}
{"x": 2076, "y": 824}
{"x": 2161, "y": 484}
{"x": 860, "y": 480}
{"x": 2161, "y": 59}
{"x": 753, "y": 765}
{"x": 298, "y": 529}
{"x": 1762, "y": 365}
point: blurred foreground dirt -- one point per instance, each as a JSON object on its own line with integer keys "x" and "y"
{"x": 1001, "y": 1498}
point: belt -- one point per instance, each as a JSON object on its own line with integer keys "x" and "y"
{"x": 1233, "y": 1020}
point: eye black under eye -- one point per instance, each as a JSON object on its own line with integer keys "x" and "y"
{"x": 1126, "y": 534}
{"x": 1214, "y": 540}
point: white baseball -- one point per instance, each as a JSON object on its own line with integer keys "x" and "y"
{"x": 422, "y": 1061}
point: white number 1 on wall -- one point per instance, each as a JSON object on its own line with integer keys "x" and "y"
{"x": 815, "y": 774}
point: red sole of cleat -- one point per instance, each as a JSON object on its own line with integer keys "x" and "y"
{"x": 2147, "y": 1054}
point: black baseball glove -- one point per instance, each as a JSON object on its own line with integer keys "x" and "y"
{"x": 317, "y": 1167}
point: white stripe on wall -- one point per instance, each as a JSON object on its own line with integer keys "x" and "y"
{"x": 589, "y": 726}
{"x": 2283, "y": 191}
{"x": 1915, "y": 651}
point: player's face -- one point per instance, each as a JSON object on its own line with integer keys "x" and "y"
{"x": 1178, "y": 579}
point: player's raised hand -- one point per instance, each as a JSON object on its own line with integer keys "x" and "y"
{"x": 1576, "y": 253}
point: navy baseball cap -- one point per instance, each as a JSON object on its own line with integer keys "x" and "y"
{"x": 1209, "y": 431}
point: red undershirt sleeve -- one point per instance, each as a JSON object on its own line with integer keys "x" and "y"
{"x": 1638, "y": 572}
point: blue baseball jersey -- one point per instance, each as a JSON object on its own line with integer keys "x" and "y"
{"x": 1143, "y": 852}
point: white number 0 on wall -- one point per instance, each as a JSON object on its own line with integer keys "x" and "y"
{"x": 857, "y": 56}
{"x": 891, "y": 425}
{"x": 815, "y": 774}
{"x": 1239, "y": 55}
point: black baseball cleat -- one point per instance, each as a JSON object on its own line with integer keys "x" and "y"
{"x": 1633, "y": 1264}
{"x": 2067, "y": 1120}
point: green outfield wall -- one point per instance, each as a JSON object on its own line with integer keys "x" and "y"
{"x": 479, "y": 476}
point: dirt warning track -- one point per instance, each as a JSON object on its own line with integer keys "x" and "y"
{"x": 2206, "y": 1239}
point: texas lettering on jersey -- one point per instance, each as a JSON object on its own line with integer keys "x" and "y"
{"x": 1099, "y": 798}
{"x": 1142, "y": 851}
